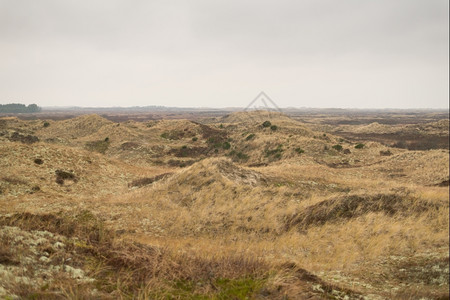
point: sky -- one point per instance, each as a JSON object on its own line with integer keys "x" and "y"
{"x": 203, "y": 53}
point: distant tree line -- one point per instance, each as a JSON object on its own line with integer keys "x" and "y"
{"x": 19, "y": 108}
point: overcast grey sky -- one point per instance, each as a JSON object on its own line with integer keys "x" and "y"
{"x": 302, "y": 53}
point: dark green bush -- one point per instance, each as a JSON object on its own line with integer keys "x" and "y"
{"x": 46, "y": 124}
{"x": 194, "y": 139}
{"x": 299, "y": 150}
{"x": 359, "y": 146}
{"x": 226, "y": 145}
{"x": 250, "y": 137}
{"x": 337, "y": 147}
{"x": 266, "y": 124}
{"x": 274, "y": 127}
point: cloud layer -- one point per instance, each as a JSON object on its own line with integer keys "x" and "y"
{"x": 366, "y": 54}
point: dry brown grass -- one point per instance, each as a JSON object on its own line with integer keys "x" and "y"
{"x": 218, "y": 228}
{"x": 132, "y": 270}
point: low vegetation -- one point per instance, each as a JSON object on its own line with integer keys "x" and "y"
{"x": 274, "y": 154}
{"x": 249, "y": 137}
{"x": 266, "y": 124}
{"x": 337, "y": 147}
{"x": 299, "y": 150}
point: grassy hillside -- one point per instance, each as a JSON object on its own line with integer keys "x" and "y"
{"x": 225, "y": 208}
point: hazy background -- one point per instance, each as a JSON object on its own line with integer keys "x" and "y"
{"x": 309, "y": 53}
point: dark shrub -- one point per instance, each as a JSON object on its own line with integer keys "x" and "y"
{"x": 299, "y": 150}
{"x": 38, "y": 161}
{"x": 266, "y": 124}
{"x": 274, "y": 127}
{"x": 226, "y": 145}
{"x": 194, "y": 139}
{"x": 359, "y": 146}
{"x": 337, "y": 147}
{"x": 250, "y": 137}
{"x": 46, "y": 124}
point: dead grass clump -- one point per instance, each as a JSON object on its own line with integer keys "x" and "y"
{"x": 61, "y": 176}
{"x": 28, "y": 139}
{"x": 353, "y": 206}
{"x": 148, "y": 180}
{"x": 13, "y": 180}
